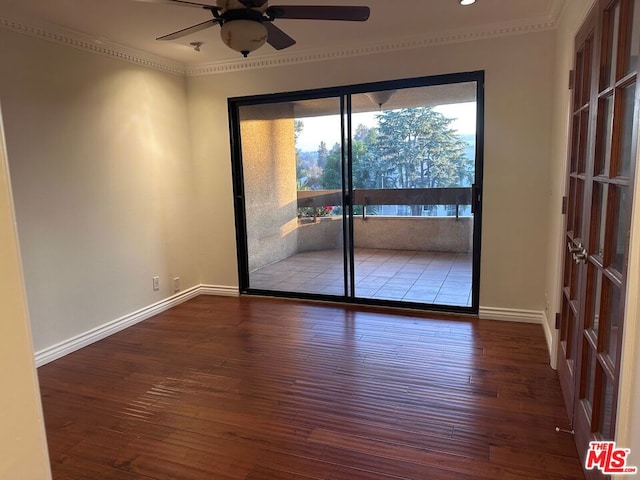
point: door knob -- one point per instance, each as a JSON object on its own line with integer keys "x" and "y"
{"x": 573, "y": 249}
{"x": 581, "y": 255}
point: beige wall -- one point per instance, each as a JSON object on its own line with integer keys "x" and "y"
{"x": 103, "y": 185}
{"x": 519, "y": 77}
{"x": 23, "y": 453}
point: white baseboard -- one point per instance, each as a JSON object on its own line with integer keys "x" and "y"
{"x": 219, "y": 290}
{"x": 552, "y": 345}
{"x": 511, "y": 315}
{"x": 61, "y": 349}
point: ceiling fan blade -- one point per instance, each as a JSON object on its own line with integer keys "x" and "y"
{"x": 277, "y": 38}
{"x": 183, "y": 3}
{"x": 319, "y": 12}
{"x": 188, "y": 30}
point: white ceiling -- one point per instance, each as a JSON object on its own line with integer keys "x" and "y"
{"x": 136, "y": 24}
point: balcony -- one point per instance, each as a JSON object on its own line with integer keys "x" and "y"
{"x": 418, "y": 259}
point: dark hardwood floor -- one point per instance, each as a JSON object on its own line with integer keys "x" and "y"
{"x": 264, "y": 389}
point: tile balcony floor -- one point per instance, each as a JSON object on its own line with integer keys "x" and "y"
{"x": 399, "y": 275}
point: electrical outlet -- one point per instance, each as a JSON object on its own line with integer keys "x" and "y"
{"x": 176, "y": 284}
{"x": 156, "y": 283}
{"x": 546, "y": 303}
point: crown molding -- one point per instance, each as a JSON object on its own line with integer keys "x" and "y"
{"x": 71, "y": 38}
{"x": 549, "y": 22}
{"x": 82, "y": 41}
{"x": 428, "y": 40}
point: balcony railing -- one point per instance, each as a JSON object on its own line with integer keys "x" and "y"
{"x": 457, "y": 196}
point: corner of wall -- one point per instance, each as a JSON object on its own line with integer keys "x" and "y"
{"x": 53, "y": 352}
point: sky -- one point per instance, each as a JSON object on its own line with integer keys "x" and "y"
{"x": 327, "y": 128}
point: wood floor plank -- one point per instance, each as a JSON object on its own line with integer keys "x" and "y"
{"x": 251, "y": 388}
{"x": 261, "y": 472}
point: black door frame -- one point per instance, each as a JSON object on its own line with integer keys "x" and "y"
{"x": 344, "y": 93}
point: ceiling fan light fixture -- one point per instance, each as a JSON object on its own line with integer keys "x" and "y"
{"x": 467, "y": 2}
{"x": 380, "y": 98}
{"x": 243, "y": 35}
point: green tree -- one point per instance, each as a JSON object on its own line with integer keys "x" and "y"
{"x": 417, "y": 148}
{"x": 364, "y": 161}
{"x": 298, "y": 126}
{"x": 331, "y": 175}
{"x": 422, "y": 149}
{"x": 410, "y": 148}
{"x": 322, "y": 154}
{"x": 308, "y": 173}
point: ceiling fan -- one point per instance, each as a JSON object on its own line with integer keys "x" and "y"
{"x": 247, "y": 24}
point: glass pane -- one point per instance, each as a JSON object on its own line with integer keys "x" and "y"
{"x": 564, "y": 327}
{"x": 611, "y": 314}
{"x": 568, "y": 264}
{"x": 571, "y": 207}
{"x": 604, "y": 137}
{"x": 594, "y": 295}
{"x": 632, "y": 48}
{"x": 571, "y": 275}
{"x": 578, "y": 81}
{"x": 620, "y": 227}
{"x": 577, "y": 227}
{"x": 575, "y": 279}
{"x": 599, "y": 212}
{"x": 628, "y": 105}
{"x": 610, "y": 49}
{"x": 414, "y": 153}
{"x": 570, "y": 325}
{"x": 575, "y": 142}
{"x": 588, "y": 374}
{"x": 294, "y": 230}
{"x": 606, "y": 419}
{"x": 582, "y": 147}
{"x": 586, "y": 75}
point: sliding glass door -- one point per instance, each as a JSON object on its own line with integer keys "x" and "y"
{"x": 369, "y": 193}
